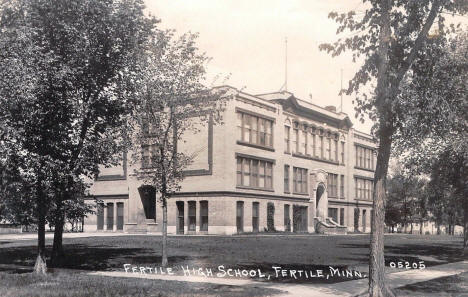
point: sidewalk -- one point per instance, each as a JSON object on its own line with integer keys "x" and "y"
{"x": 49, "y": 235}
{"x": 349, "y": 288}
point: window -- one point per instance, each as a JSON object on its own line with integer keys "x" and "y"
{"x": 247, "y": 125}
{"x": 364, "y": 220}
{"x": 254, "y": 135}
{"x": 240, "y": 216}
{"x": 269, "y": 133}
{"x": 246, "y": 172}
{"x": 300, "y": 180}
{"x": 110, "y": 216}
{"x": 342, "y": 152}
{"x": 145, "y": 158}
{"x": 120, "y": 215}
{"x": 203, "y": 215}
{"x": 295, "y": 142}
{"x": 287, "y": 148}
{"x": 328, "y": 148}
{"x": 364, "y": 157}
{"x": 268, "y": 175}
{"x": 239, "y": 126}
{"x": 332, "y": 187}
{"x": 320, "y": 148}
{"x": 255, "y": 212}
{"x": 312, "y": 145}
{"x": 335, "y": 150}
{"x": 148, "y": 199}
{"x": 286, "y": 178}
{"x": 363, "y": 188}
{"x": 192, "y": 215}
{"x": 342, "y": 222}
{"x": 262, "y": 135}
{"x": 303, "y": 146}
{"x": 342, "y": 186}
{"x": 287, "y": 219}
{"x": 255, "y": 130}
{"x": 254, "y": 173}
{"x": 333, "y": 213}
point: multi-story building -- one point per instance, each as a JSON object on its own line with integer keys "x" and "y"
{"x": 274, "y": 155}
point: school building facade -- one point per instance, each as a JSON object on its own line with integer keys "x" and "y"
{"x": 275, "y": 158}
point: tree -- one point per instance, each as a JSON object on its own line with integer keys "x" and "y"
{"x": 172, "y": 102}
{"x": 435, "y": 144}
{"x": 406, "y": 200}
{"x": 76, "y": 63}
{"x": 391, "y": 37}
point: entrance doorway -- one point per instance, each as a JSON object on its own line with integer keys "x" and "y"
{"x": 240, "y": 216}
{"x": 319, "y": 212}
{"x": 299, "y": 218}
{"x": 120, "y": 215}
{"x": 180, "y": 217}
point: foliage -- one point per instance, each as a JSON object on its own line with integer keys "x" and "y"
{"x": 76, "y": 64}
{"x": 391, "y": 37}
{"x": 172, "y": 102}
{"x": 406, "y": 199}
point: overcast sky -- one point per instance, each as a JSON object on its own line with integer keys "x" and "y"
{"x": 245, "y": 38}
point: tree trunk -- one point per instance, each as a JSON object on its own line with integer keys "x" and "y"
{"x": 411, "y": 230}
{"x": 465, "y": 226}
{"x": 57, "y": 248}
{"x": 164, "y": 233}
{"x": 40, "y": 267}
{"x": 377, "y": 287}
{"x": 421, "y": 228}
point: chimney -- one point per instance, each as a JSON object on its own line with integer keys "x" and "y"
{"x": 331, "y": 108}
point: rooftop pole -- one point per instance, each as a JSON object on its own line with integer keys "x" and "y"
{"x": 341, "y": 91}
{"x": 286, "y": 64}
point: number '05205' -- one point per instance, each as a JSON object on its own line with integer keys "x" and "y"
{"x": 408, "y": 265}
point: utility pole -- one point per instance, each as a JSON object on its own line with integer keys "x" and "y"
{"x": 286, "y": 64}
{"x": 284, "y": 87}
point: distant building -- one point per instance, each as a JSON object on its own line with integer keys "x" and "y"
{"x": 273, "y": 148}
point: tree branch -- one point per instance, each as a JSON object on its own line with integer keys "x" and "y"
{"x": 417, "y": 45}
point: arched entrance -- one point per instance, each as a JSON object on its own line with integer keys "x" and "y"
{"x": 319, "y": 194}
{"x": 321, "y": 202}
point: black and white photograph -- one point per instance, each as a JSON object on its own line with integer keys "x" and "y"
{"x": 231, "y": 148}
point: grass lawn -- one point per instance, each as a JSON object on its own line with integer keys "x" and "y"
{"x": 110, "y": 253}
{"x": 307, "y": 252}
{"x": 455, "y": 285}
{"x": 81, "y": 285}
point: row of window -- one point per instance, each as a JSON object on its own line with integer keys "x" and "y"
{"x": 364, "y": 188}
{"x": 333, "y": 213}
{"x": 254, "y": 130}
{"x": 299, "y": 226}
{"x": 318, "y": 145}
{"x": 333, "y": 185}
{"x": 192, "y": 215}
{"x": 254, "y": 173}
{"x": 299, "y": 180}
{"x": 308, "y": 141}
{"x": 258, "y": 174}
{"x": 364, "y": 157}
{"x": 109, "y": 219}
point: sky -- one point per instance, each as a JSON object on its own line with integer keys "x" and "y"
{"x": 246, "y": 41}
